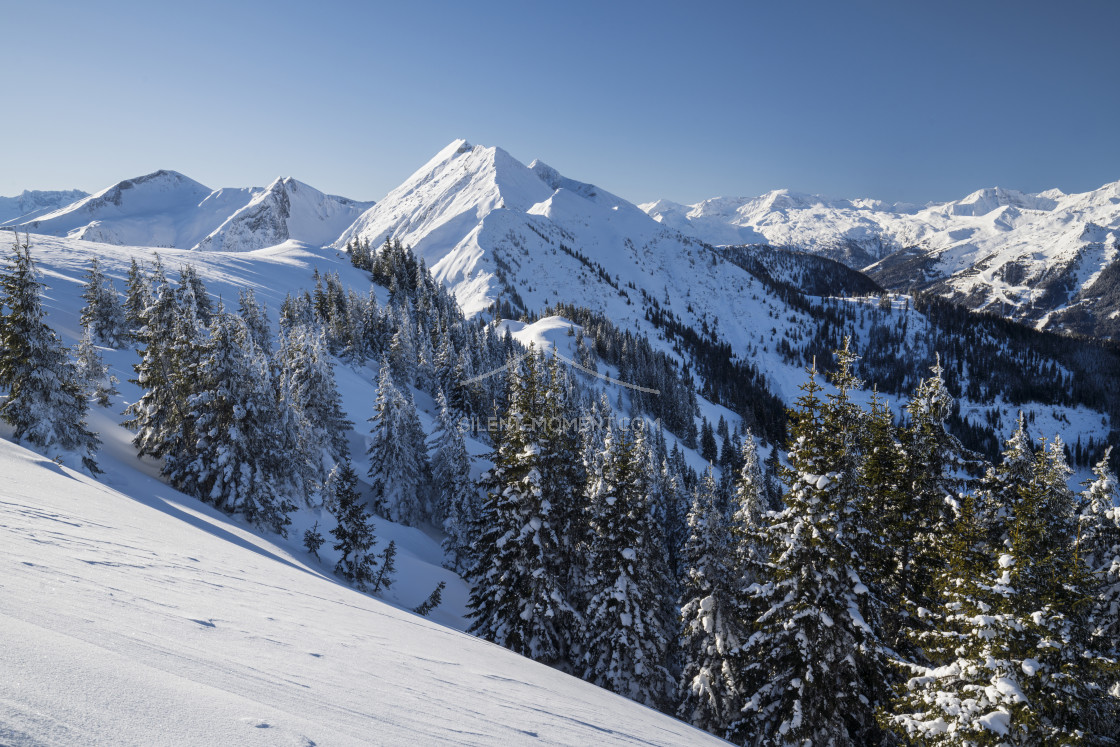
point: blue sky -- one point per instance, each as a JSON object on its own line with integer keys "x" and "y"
{"x": 910, "y": 101}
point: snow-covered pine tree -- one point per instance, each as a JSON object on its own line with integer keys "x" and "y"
{"x": 138, "y": 292}
{"x": 1013, "y": 656}
{"x": 451, "y": 481}
{"x": 239, "y": 463}
{"x": 192, "y": 292}
{"x": 103, "y": 313}
{"x": 255, "y": 317}
{"x": 399, "y": 472}
{"x": 814, "y": 663}
{"x": 519, "y": 596}
{"x": 564, "y": 482}
{"x": 307, "y": 384}
{"x": 887, "y": 515}
{"x": 354, "y": 532}
{"x": 46, "y": 403}
{"x": 92, "y": 371}
{"x": 923, "y": 517}
{"x": 1099, "y": 550}
{"x": 711, "y": 694}
{"x": 401, "y": 357}
{"x": 625, "y": 642}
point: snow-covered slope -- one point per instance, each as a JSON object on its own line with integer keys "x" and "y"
{"x": 30, "y": 204}
{"x": 140, "y": 616}
{"x": 1035, "y": 257}
{"x": 286, "y": 209}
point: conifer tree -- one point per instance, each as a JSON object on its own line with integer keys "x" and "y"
{"x": 1013, "y": 658}
{"x": 434, "y": 600}
{"x": 815, "y": 664}
{"x": 387, "y": 559}
{"x": 708, "y": 447}
{"x": 1099, "y": 550}
{"x": 137, "y": 296}
{"x": 46, "y": 403}
{"x": 313, "y": 540}
{"x": 192, "y": 292}
{"x": 256, "y": 319}
{"x": 626, "y": 645}
{"x": 103, "y": 313}
{"x": 307, "y": 384}
{"x": 451, "y": 480}
{"x": 354, "y": 532}
{"x": 519, "y": 595}
{"x": 712, "y": 628}
{"x": 167, "y": 375}
{"x": 92, "y": 371}
{"x": 920, "y": 518}
{"x": 399, "y": 471}
{"x": 240, "y": 461}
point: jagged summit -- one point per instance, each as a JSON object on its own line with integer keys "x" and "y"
{"x": 286, "y": 210}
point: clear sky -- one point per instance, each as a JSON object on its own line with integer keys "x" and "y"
{"x": 899, "y": 100}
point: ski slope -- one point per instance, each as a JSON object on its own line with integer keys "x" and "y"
{"x": 146, "y": 617}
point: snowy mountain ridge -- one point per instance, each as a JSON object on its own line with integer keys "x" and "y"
{"x": 30, "y": 204}
{"x": 167, "y": 209}
{"x": 1035, "y": 257}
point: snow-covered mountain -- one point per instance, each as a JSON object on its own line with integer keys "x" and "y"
{"x": 162, "y": 209}
{"x": 852, "y": 231}
{"x": 1049, "y": 259}
{"x": 1043, "y": 258}
{"x": 491, "y": 227}
{"x": 286, "y": 210}
{"x": 168, "y": 209}
{"x": 30, "y": 204}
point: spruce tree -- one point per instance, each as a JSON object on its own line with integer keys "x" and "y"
{"x": 240, "y": 463}
{"x": 815, "y": 663}
{"x": 46, "y": 403}
{"x": 1013, "y": 657}
{"x": 167, "y": 375}
{"x": 712, "y": 628}
{"x": 519, "y": 583}
{"x": 451, "y": 481}
{"x": 307, "y": 384}
{"x": 1099, "y": 550}
{"x": 354, "y": 532}
{"x": 103, "y": 313}
{"x": 626, "y": 644}
{"x": 92, "y": 371}
{"x": 399, "y": 471}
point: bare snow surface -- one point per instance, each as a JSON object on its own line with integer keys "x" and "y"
{"x": 151, "y": 619}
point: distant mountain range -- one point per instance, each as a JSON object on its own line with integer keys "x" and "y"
{"x": 481, "y": 219}
{"x": 1049, "y": 259}
{"x": 167, "y": 209}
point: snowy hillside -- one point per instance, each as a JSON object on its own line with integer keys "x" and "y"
{"x": 168, "y": 209}
{"x": 30, "y": 204}
{"x": 286, "y": 209}
{"x": 1036, "y": 257}
{"x": 135, "y": 615}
